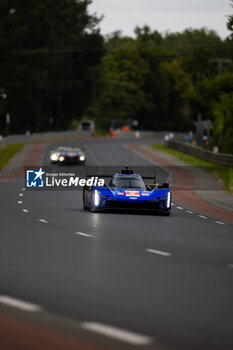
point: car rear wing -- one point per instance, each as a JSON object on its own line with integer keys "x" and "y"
{"x": 125, "y": 171}
{"x": 99, "y": 175}
{"x": 149, "y": 178}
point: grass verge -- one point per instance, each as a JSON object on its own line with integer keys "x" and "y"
{"x": 225, "y": 174}
{"x": 8, "y": 151}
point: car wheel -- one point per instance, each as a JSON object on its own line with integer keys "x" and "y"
{"x": 167, "y": 213}
{"x": 85, "y": 207}
{"x": 92, "y": 208}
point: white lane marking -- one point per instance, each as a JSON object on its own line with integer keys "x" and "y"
{"x": 180, "y": 208}
{"x": 117, "y": 333}
{"x": 23, "y": 189}
{"x": 20, "y": 194}
{"x": 202, "y": 217}
{"x": 172, "y": 203}
{"x": 169, "y": 178}
{"x": 42, "y": 220}
{"x": 20, "y": 202}
{"x": 140, "y": 155}
{"x": 25, "y": 210}
{"x": 83, "y": 234}
{"x": 159, "y": 252}
{"x": 189, "y": 211}
{"x": 230, "y": 265}
{"x": 220, "y": 222}
{"x": 92, "y": 155}
{"x": 24, "y": 305}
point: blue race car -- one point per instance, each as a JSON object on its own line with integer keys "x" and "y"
{"x": 127, "y": 190}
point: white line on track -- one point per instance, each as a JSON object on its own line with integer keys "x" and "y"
{"x": 172, "y": 204}
{"x": 92, "y": 155}
{"x": 189, "y": 211}
{"x": 117, "y": 333}
{"x": 180, "y": 208}
{"x": 220, "y": 222}
{"x": 20, "y": 194}
{"x": 20, "y": 202}
{"x": 23, "y": 189}
{"x": 140, "y": 155}
{"x": 25, "y": 210}
{"x": 159, "y": 252}
{"x": 83, "y": 234}
{"x": 169, "y": 178}
{"x": 202, "y": 217}
{"x": 42, "y": 220}
{"x": 23, "y": 305}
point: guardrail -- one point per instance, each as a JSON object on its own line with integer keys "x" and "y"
{"x": 66, "y": 135}
{"x": 215, "y": 158}
{"x": 43, "y": 136}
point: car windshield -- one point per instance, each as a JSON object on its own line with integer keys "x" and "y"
{"x": 128, "y": 182}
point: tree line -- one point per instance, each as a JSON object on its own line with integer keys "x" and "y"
{"x": 56, "y": 68}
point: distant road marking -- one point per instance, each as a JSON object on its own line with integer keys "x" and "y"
{"x": 25, "y": 210}
{"x": 202, "y": 217}
{"x": 220, "y": 222}
{"x": 117, "y": 333}
{"x": 42, "y": 220}
{"x": 20, "y": 194}
{"x": 169, "y": 178}
{"x": 20, "y": 202}
{"x": 172, "y": 204}
{"x": 180, "y": 208}
{"x": 159, "y": 252}
{"x": 189, "y": 211}
{"x": 23, "y": 189}
{"x": 92, "y": 155}
{"x": 23, "y": 305}
{"x": 83, "y": 234}
{"x": 140, "y": 155}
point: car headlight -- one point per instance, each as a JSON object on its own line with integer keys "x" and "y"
{"x": 54, "y": 157}
{"x": 168, "y": 200}
{"x": 96, "y": 198}
{"x": 82, "y": 158}
{"x": 61, "y": 158}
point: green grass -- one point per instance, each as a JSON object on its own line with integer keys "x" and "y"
{"x": 8, "y": 151}
{"x": 225, "y": 174}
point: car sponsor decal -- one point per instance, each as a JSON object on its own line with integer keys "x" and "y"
{"x": 145, "y": 194}
{"x": 132, "y": 193}
{"x": 120, "y": 193}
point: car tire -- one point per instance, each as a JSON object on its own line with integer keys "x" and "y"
{"x": 85, "y": 207}
{"x": 167, "y": 213}
{"x": 92, "y": 208}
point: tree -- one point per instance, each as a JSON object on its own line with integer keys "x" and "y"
{"x": 121, "y": 89}
{"x": 177, "y": 83}
{"x": 223, "y": 123}
{"x": 230, "y": 21}
{"x": 47, "y": 61}
{"x": 202, "y": 98}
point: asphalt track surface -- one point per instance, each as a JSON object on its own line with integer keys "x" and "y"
{"x": 168, "y": 278}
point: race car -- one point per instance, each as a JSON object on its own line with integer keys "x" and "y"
{"x": 68, "y": 155}
{"x": 127, "y": 190}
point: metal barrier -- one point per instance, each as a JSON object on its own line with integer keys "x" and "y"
{"x": 63, "y": 135}
{"x": 215, "y": 158}
{"x": 44, "y": 136}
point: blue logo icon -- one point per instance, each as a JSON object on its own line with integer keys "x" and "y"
{"x": 35, "y": 178}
